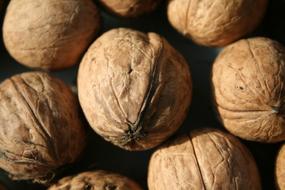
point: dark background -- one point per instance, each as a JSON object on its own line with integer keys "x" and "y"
{"x": 102, "y": 155}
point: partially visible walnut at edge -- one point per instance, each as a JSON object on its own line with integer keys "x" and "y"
{"x": 248, "y": 79}
{"x": 215, "y": 23}
{"x": 40, "y": 129}
{"x": 134, "y": 88}
{"x": 130, "y": 8}
{"x": 49, "y": 34}
{"x": 280, "y": 169}
{"x": 97, "y": 180}
{"x": 204, "y": 159}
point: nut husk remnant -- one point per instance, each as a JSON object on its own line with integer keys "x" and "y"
{"x": 40, "y": 128}
{"x": 205, "y": 159}
{"x": 97, "y": 180}
{"x": 215, "y": 23}
{"x": 248, "y": 79}
{"x": 280, "y": 169}
{"x": 49, "y": 34}
{"x": 134, "y": 88}
{"x": 130, "y": 8}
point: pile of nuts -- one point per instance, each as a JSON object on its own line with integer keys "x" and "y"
{"x": 135, "y": 89}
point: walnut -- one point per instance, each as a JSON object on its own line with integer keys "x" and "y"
{"x": 248, "y": 79}
{"x": 204, "y": 159}
{"x": 130, "y": 8}
{"x": 280, "y": 169}
{"x": 97, "y": 180}
{"x": 134, "y": 88}
{"x": 215, "y": 23}
{"x": 49, "y": 34}
{"x": 40, "y": 128}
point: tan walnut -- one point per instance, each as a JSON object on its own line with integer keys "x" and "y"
{"x": 215, "y": 23}
{"x": 49, "y": 34}
{"x": 280, "y": 169}
{"x": 204, "y": 159}
{"x": 40, "y": 129}
{"x": 130, "y": 8}
{"x": 248, "y": 79}
{"x": 134, "y": 88}
{"x": 97, "y": 180}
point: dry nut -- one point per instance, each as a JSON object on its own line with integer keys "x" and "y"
{"x": 98, "y": 180}
{"x": 49, "y": 34}
{"x": 39, "y": 126}
{"x": 248, "y": 80}
{"x": 134, "y": 88}
{"x": 205, "y": 159}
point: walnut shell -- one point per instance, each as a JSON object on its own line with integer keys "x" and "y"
{"x": 215, "y": 23}
{"x": 49, "y": 34}
{"x": 205, "y": 159}
{"x": 40, "y": 128}
{"x": 130, "y": 8}
{"x": 248, "y": 79}
{"x": 134, "y": 88}
{"x": 97, "y": 180}
{"x": 280, "y": 169}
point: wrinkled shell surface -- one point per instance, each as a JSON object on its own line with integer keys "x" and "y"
{"x": 49, "y": 34}
{"x": 130, "y": 8}
{"x": 134, "y": 88}
{"x": 248, "y": 80}
{"x": 39, "y": 126}
{"x": 205, "y": 159}
{"x": 280, "y": 169}
{"x": 98, "y": 180}
{"x": 215, "y": 23}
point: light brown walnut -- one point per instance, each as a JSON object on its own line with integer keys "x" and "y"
{"x": 40, "y": 129}
{"x": 134, "y": 88}
{"x": 130, "y": 8}
{"x": 280, "y": 169}
{"x": 248, "y": 79}
{"x": 97, "y": 180}
{"x": 49, "y": 34}
{"x": 215, "y": 23}
{"x": 204, "y": 159}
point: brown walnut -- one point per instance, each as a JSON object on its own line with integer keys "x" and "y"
{"x": 248, "y": 79}
{"x": 97, "y": 180}
{"x": 205, "y": 159}
{"x": 40, "y": 128}
{"x": 134, "y": 88}
{"x": 130, "y": 8}
{"x": 49, "y": 34}
{"x": 215, "y": 23}
{"x": 280, "y": 169}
